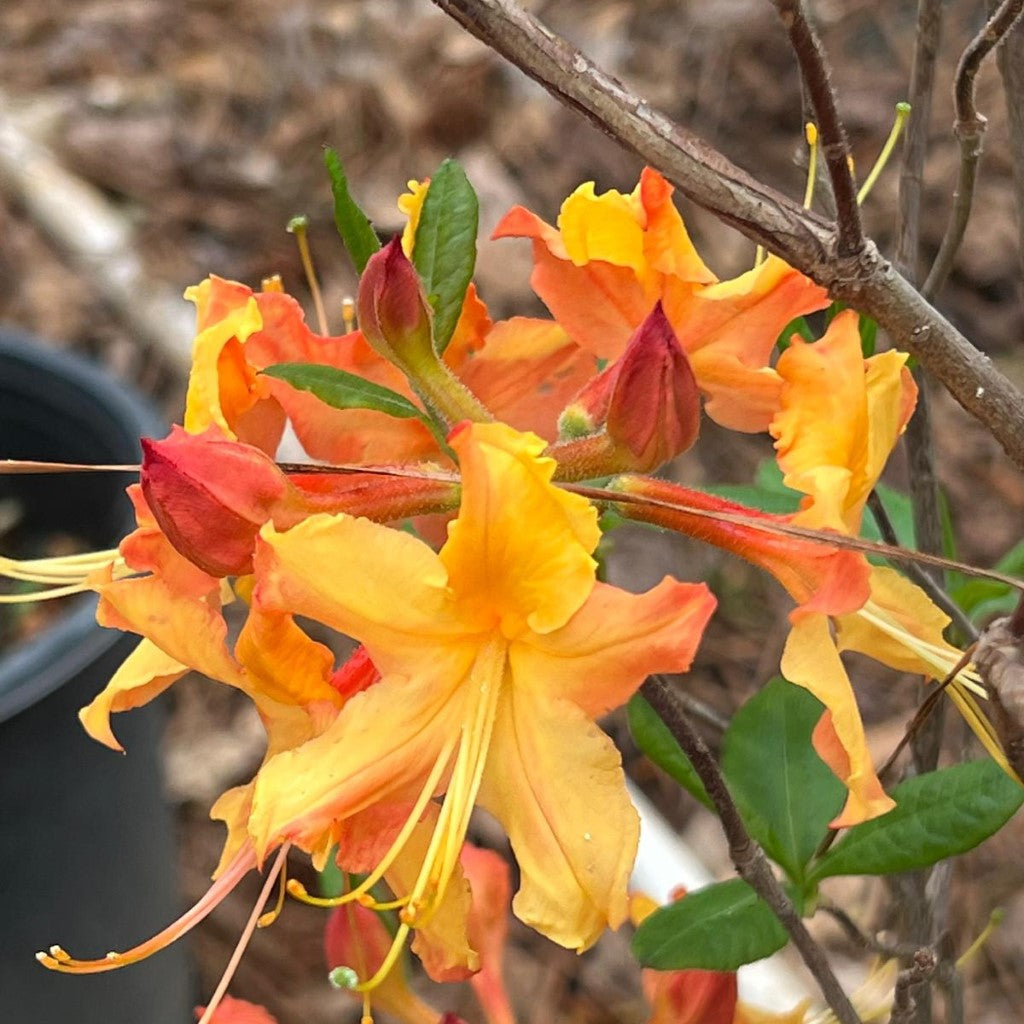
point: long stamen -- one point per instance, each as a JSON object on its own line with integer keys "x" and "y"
{"x": 243, "y": 941}
{"x": 811, "y": 134}
{"x": 64, "y": 574}
{"x": 59, "y": 960}
{"x": 298, "y": 890}
{"x": 902, "y": 113}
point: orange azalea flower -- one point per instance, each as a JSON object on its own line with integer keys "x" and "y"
{"x": 238, "y": 1011}
{"x": 613, "y": 256}
{"x": 496, "y": 655}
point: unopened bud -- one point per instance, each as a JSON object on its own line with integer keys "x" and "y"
{"x": 647, "y": 401}
{"x": 394, "y": 314}
{"x": 210, "y": 496}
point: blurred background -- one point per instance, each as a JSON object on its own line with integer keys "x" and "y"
{"x": 147, "y": 143}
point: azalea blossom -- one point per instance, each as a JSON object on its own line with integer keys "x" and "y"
{"x": 612, "y": 256}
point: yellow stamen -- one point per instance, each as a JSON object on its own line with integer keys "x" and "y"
{"x": 811, "y": 135}
{"x": 994, "y": 921}
{"x": 272, "y": 915}
{"x": 272, "y": 284}
{"x": 298, "y": 226}
{"x": 902, "y": 113}
{"x": 348, "y": 313}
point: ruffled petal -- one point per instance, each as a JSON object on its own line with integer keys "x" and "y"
{"x": 505, "y": 574}
{"x": 811, "y": 660}
{"x": 555, "y": 782}
{"x": 143, "y": 675}
{"x": 606, "y": 650}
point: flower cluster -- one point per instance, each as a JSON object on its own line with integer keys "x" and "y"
{"x": 484, "y": 660}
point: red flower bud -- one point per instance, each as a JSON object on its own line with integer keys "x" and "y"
{"x": 647, "y": 400}
{"x": 210, "y": 496}
{"x": 394, "y": 314}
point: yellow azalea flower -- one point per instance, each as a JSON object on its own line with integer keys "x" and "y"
{"x": 840, "y": 416}
{"x": 613, "y": 256}
{"x": 496, "y": 655}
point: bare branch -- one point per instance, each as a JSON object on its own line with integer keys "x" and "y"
{"x": 746, "y": 854}
{"x": 907, "y": 984}
{"x": 806, "y": 241}
{"x": 969, "y": 129}
{"x": 1010, "y": 58}
{"x": 835, "y": 146}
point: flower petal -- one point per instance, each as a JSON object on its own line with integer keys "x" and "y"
{"x": 519, "y": 551}
{"x": 811, "y": 660}
{"x": 606, "y": 650}
{"x": 555, "y": 782}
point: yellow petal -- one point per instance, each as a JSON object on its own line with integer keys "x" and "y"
{"x": 555, "y": 782}
{"x": 607, "y": 227}
{"x": 380, "y": 748}
{"x": 811, "y": 660}
{"x": 518, "y": 555}
{"x": 143, "y": 675}
{"x": 606, "y": 650}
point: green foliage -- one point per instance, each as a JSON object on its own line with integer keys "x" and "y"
{"x": 445, "y": 249}
{"x": 783, "y": 790}
{"x": 937, "y": 815}
{"x": 353, "y": 225}
{"x": 718, "y": 928}
{"x": 342, "y": 390}
{"x": 652, "y": 736}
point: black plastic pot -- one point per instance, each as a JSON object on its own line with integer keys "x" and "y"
{"x": 87, "y": 856}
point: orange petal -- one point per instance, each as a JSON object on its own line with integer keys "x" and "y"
{"x": 143, "y": 675}
{"x": 811, "y": 660}
{"x": 534, "y": 578}
{"x": 606, "y": 650}
{"x": 555, "y": 782}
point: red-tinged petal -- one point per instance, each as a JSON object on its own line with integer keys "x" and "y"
{"x": 356, "y": 937}
{"x": 143, "y": 675}
{"x": 471, "y": 331}
{"x": 355, "y": 675}
{"x": 817, "y": 577}
{"x": 527, "y": 373}
{"x": 811, "y": 660}
{"x": 380, "y": 586}
{"x": 555, "y": 782}
{"x": 691, "y": 997}
{"x": 506, "y": 576}
{"x": 238, "y": 1011}
{"x": 192, "y": 632}
{"x": 606, "y": 650}
{"x": 491, "y": 885}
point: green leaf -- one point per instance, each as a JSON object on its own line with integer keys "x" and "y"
{"x": 937, "y": 815}
{"x": 798, "y": 325}
{"x": 767, "y": 493}
{"x": 868, "y": 334}
{"x": 718, "y": 928}
{"x": 900, "y": 510}
{"x": 353, "y": 225}
{"x": 342, "y": 390}
{"x": 652, "y": 736}
{"x": 784, "y": 792}
{"x": 445, "y": 249}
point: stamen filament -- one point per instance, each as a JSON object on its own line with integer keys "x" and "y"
{"x": 246, "y": 935}
{"x": 811, "y": 134}
{"x": 902, "y": 113}
{"x": 57, "y": 959}
{"x": 298, "y": 227}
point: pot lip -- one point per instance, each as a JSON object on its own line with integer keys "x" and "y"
{"x": 33, "y": 669}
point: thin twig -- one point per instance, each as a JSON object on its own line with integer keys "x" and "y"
{"x": 746, "y": 854}
{"x": 835, "y": 146}
{"x": 907, "y": 981}
{"x": 854, "y": 932}
{"x": 969, "y": 129}
{"x": 922, "y": 578}
{"x": 802, "y": 238}
{"x": 1010, "y": 59}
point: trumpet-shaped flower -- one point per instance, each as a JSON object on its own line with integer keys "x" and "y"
{"x": 612, "y": 256}
{"x": 496, "y": 654}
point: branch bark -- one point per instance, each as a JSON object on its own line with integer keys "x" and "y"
{"x": 865, "y": 280}
{"x": 747, "y": 856}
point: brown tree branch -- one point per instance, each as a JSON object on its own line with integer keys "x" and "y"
{"x": 1010, "y": 59}
{"x": 835, "y": 146}
{"x": 747, "y": 856}
{"x": 908, "y": 983}
{"x": 969, "y": 129}
{"x": 808, "y": 242}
